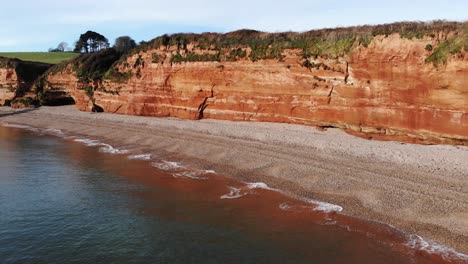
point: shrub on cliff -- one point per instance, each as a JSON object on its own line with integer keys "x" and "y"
{"x": 442, "y": 52}
{"x": 116, "y": 76}
{"x": 191, "y": 57}
{"x": 93, "y": 66}
{"x": 331, "y": 43}
{"x": 124, "y": 44}
{"x": 26, "y": 102}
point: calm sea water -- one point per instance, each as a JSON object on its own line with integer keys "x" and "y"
{"x": 64, "y": 202}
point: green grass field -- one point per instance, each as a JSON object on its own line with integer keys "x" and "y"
{"x": 47, "y": 57}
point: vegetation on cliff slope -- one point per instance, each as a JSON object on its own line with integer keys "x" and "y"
{"x": 329, "y": 43}
{"x": 448, "y": 47}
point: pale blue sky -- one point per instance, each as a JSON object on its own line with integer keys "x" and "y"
{"x": 36, "y": 25}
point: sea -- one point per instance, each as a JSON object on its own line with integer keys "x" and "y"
{"x": 70, "y": 199}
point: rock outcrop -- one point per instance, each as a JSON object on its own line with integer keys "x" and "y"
{"x": 16, "y": 81}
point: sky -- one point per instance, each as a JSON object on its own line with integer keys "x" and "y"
{"x": 37, "y": 25}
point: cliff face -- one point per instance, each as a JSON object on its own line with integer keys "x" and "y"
{"x": 58, "y": 88}
{"x": 8, "y": 84}
{"x": 16, "y": 81}
{"x": 385, "y": 90}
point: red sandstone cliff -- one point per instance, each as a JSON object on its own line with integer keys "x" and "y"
{"x": 8, "y": 84}
{"x": 384, "y": 90}
{"x": 16, "y": 81}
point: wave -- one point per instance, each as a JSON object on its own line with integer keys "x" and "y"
{"x": 418, "y": 243}
{"x": 56, "y": 132}
{"x": 317, "y": 206}
{"x": 324, "y": 207}
{"x": 239, "y": 192}
{"x": 234, "y": 193}
{"x": 109, "y": 149}
{"x": 320, "y": 206}
{"x": 15, "y": 126}
{"x": 260, "y": 185}
{"x": 197, "y": 175}
{"x": 289, "y": 207}
{"x": 29, "y": 128}
{"x": 88, "y": 142}
{"x": 106, "y": 148}
{"x": 140, "y": 157}
{"x": 167, "y": 165}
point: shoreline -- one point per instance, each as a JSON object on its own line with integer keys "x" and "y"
{"x": 419, "y": 189}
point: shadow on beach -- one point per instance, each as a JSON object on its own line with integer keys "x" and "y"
{"x": 5, "y": 114}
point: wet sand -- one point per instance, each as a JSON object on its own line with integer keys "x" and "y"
{"x": 419, "y": 189}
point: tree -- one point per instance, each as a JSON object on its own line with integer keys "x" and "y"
{"x": 91, "y": 42}
{"x": 62, "y": 46}
{"x": 124, "y": 44}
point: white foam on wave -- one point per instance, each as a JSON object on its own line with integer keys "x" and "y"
{"x": 15, "y": 126}
{"x": 56, "y": 132}
{"x": 167, "y": 165}
{"x": 289, "y": 207}
{"x": 260, "y": 185}
{"x": 234, "y": 193}
{"x": 140, "y": 157}
{"x": 239, "y": 192}
{"x": 88, "y": 142}
{"x": 324, "y": 207}
{"x": 285, "y": 207}
{"x": 33, "y": 129}
{"x": 106, "y": 148}
{"x": 320, "y": 206}
{"x": 109, "y": 149}
{"x": 418, "y": 243}
{"x": 197, "y": 175}
{"x": 41, "y": 131}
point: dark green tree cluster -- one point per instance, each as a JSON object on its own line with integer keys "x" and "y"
{"x": 124, "y": 44}
{"x": 90, "y": 42}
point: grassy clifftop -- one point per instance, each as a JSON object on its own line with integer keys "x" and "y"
{"x": 45, "y": 57}
{"x": 27, "y": 71}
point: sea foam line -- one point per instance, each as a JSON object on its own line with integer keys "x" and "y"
{"x": 234, "y": 193}
{"x": 56, "y": 132}
{"x": 239, "y": 192}
{"x": 418, "y": 243}
{"x": 324, "y": 207}
{"x": 88, "y": 142}
{"x": 106, "y": 148}
{"x": 197, "y": 175}
{"x": 140, "y": 157}
{"x": 49, "y": 131}
{"x": 15, "y": 126}
{"x": 289, "y": 207}
{"x": 320, "y": 206}
{"x": 167, "y": 165}
{"x": 260, "y": 185}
